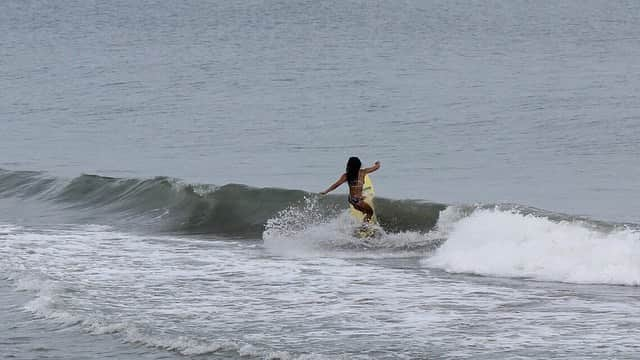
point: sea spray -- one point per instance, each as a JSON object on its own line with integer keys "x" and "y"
{"x": 303, "y": 227}
{"x": 307, "y": 228}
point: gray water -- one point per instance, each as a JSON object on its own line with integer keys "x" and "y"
{"x": 532, "y": 103}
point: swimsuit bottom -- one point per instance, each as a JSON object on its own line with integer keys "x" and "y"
{"x": 354, "y": 200}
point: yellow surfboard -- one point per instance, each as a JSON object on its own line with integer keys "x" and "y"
{"x": 369, "y": 194}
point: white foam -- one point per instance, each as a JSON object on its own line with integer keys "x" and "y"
{"x": 46, "y": 302}
{"x": 96, "y": 280}
{"x": 45, "y": 305}
{"x": 303, "y": 230}
{"x": 504, "y": 243}
{"x": 248, "y": 350}
{"x": 101, "y": 327}
{"x": 278, "y": 355}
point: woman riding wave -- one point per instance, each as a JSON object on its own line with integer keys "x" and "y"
{"x": 354, "y": 176}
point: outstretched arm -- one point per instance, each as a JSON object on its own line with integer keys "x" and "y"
{"x": 375, "y": 167}
{"x": 340, "y": 181}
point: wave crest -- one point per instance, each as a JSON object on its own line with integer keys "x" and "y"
{"x": 168, "y": 204}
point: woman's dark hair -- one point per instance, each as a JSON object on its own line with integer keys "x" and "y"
{"x": 353, "y": 168}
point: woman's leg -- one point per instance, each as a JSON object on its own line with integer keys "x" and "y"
{"x": 365, "y": 208}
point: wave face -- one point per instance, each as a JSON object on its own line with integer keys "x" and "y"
{"x": 234, "y": 209}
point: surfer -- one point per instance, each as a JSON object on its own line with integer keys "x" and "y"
{"x": 354, "y": 176}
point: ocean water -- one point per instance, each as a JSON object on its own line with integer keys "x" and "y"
{"x": 160, "y": 163}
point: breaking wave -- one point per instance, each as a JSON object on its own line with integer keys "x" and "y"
{"x": 498, "y": 240}
{"x": 512, "y": 243}
{"x": 171, "y": 205}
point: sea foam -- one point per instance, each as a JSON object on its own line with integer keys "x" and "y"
{"x": 511, "y": 244}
